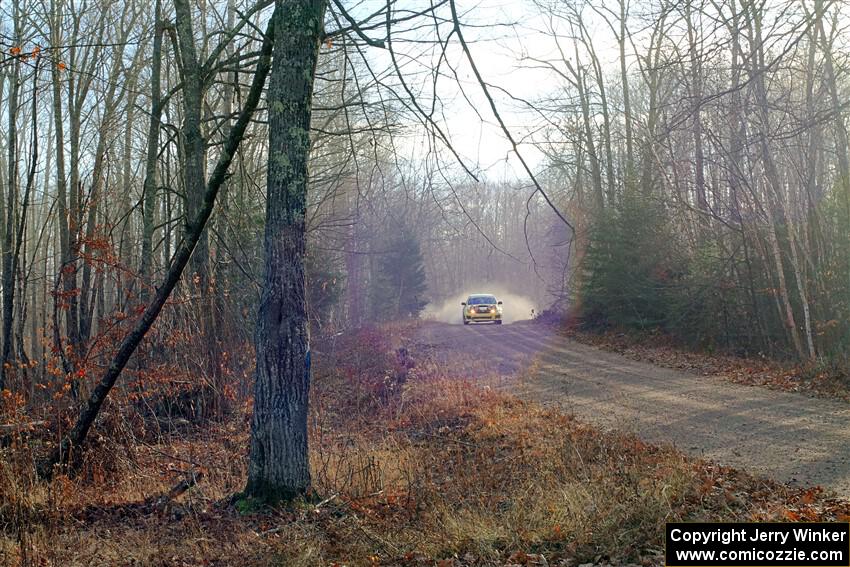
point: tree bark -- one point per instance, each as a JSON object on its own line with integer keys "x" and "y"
{"x": 279, "y": 467}
{"x": 149, "y": 187}
{"x": 210, "y": 397}
{"x": 11, "y": 209}
{"x": 64, "y": 215}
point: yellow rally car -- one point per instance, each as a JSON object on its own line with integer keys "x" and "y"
{"x": 482, "y": 307}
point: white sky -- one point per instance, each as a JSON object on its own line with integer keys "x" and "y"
{"x": 500, "y": 34}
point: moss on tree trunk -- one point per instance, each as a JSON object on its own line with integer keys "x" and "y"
{"x": 279, "y": 467}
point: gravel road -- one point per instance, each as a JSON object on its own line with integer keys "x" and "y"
{"x": 789, "y": 437}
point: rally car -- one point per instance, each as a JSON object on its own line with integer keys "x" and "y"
{"x": 482, "y": 307}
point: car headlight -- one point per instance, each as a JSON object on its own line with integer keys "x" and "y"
{"x": 493, "y": 309}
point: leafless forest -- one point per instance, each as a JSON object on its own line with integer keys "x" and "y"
{"x": 223, "y": 223}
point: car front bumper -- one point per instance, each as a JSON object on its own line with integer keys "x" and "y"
{"x": 482, "y": 316}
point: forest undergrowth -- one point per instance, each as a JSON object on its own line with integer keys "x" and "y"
{"x": 412, "y": 465}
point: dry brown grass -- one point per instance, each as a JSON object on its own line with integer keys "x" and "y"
{"x": 416, "y": 467}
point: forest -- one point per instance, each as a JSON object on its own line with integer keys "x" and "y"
{"x": 236, "y": 236}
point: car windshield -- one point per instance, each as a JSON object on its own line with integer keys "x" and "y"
{"x": 481, "y": 300}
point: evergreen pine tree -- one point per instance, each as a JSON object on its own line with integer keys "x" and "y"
{"x": 399, "y": 284}
{"x": 325, "y": 283}
{"x": 628, "y": 266}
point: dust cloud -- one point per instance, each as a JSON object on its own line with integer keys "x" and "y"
{"x": 514, "y": 307}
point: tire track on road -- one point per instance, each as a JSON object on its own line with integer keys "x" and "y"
{"x": 787, "y": 436}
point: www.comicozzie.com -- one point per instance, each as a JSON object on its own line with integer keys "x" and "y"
{"x": 758, "y": 544}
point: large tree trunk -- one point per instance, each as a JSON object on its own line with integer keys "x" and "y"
{"x": 211, "y": 396}
{"x": 11, "y": 204}
{"x": 64, "y": 222}
{"x": 149, "y": 187}
{"x": 279, "y": 467}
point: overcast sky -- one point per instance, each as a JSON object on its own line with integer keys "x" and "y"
{"x": 502, "y": 35}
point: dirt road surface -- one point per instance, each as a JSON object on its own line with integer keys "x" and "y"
{"x": 789, "y": 437}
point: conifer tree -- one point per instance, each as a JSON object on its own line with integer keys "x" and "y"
{"x": 399, "y": 282}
